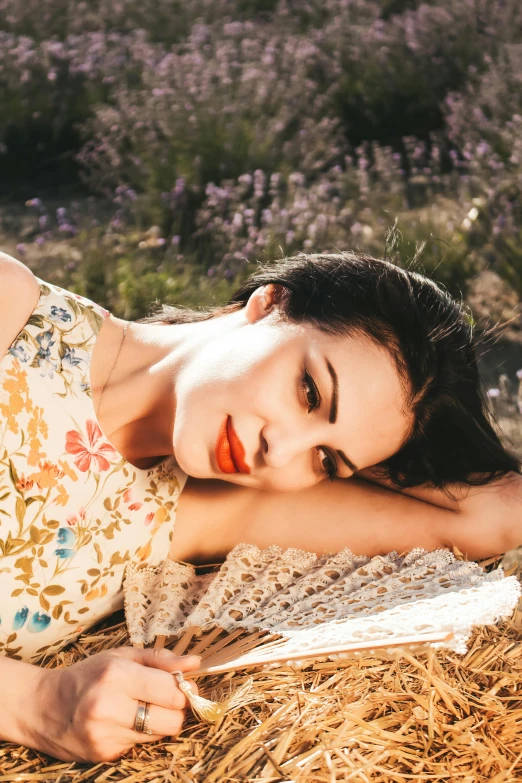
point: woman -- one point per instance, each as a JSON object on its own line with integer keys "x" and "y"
{"x": 327, "y": 366}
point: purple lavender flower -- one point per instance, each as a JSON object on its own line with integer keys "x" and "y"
{"x": 68, "y": 228}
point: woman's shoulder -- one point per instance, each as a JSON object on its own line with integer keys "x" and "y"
{"x": 19, "y": 294}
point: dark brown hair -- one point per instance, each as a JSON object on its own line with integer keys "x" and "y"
{"x": 428, "y": 334}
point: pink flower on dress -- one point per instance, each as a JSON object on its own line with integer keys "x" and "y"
{"x": 128, "y": 498}
{"x": 91, "y": 451}
{"x": 75, "y": 519}
{"x": 149, "y": 518}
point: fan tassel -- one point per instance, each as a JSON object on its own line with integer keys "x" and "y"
{"x": 212, "y": 711}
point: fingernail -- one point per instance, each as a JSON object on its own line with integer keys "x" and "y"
{"x": 191, "y": 660}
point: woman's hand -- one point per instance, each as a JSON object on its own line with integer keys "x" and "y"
{"x": 86, "y": 712}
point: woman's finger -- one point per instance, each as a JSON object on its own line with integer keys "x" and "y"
{"x": 157, "y": 687}
{"x": 160, "y": 659}
{"x": 162, "y": 722}
{"x": 138, "y": 737}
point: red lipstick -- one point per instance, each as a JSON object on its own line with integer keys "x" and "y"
{"x": 230, "y": 453}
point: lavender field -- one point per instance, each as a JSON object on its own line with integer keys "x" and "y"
{"x": 160, "y": 149}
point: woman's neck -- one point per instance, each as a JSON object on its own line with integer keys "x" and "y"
{"x": 137, "y": 407}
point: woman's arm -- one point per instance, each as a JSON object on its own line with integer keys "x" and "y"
{"x": 85, "y": 712}
{"x": 20, "y": 684}
{"x": 435, "y": 497}
{"x": 354, "y": 513}
{"x": 375, "y": 520}
{"x": 19, "y": 292}
{"x": 497, "y": 505}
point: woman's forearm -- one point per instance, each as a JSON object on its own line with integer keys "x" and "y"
{"x": 432, "y": 495}
{"x": 495, "y": 509}
{"x": 371, "y": 520}
{"x": 20, "y": 686}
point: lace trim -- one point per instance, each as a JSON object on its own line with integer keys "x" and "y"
{"x": 314, "y": 600}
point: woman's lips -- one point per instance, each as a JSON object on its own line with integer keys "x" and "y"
{"x": 236, "y": 447}
{"x": 230, "y": 453}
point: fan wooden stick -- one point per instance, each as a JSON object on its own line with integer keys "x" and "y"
{"x": 260, "y": 659}
{"x": 184, "y": 641}
{"x": 260, "y": 648}
{"x": 270, "y": 653}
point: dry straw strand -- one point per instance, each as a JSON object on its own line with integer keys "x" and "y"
{"x": 424, "y": 716}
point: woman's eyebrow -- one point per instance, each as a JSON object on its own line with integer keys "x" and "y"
{"x": 333, "y": 413}
{"x": 347, "y": 461}
{"x": 335, "y": 393}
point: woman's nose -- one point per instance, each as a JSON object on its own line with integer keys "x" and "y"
{"x": 282, "y": 445}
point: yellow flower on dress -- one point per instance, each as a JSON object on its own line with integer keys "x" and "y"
{"x": 36, "y": 424}
{"x": 96, "y": 592}
{"x": 16, "y": 380}
{"x": 12, "y": 424}
{"x": 47, "y": 476}
{"x": 35, "y": 455}
{"x": 144, "y": 551}
{"x": 16, "y": 386}
{"x": 68, "y": 471}
{"x": 62, "y": 498}
{"x": 16, "y": 404}
{"x": 160, "y": 515}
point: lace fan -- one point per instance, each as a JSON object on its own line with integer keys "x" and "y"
{"x": 274, "y": 605}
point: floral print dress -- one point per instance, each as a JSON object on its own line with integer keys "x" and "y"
{"x": 73, "y": 512}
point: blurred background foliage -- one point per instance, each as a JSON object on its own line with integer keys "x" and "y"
{"x": 158, "y": 149}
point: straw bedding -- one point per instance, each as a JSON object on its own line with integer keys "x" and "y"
{"x": 428, "y": 716}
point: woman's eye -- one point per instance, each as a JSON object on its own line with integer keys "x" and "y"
{"x": 313, "y": 400}
{"x": 311, "y": 393}
{"x": 329, "y": 465}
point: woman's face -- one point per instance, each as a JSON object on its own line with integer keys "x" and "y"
{"x": 273, "y": 383}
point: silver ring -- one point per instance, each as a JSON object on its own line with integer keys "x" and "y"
{"x": 142, "y": 718}
{"x": 146, "y": 729}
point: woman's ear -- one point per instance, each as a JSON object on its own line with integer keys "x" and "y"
{"x": 263, "y": 300}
